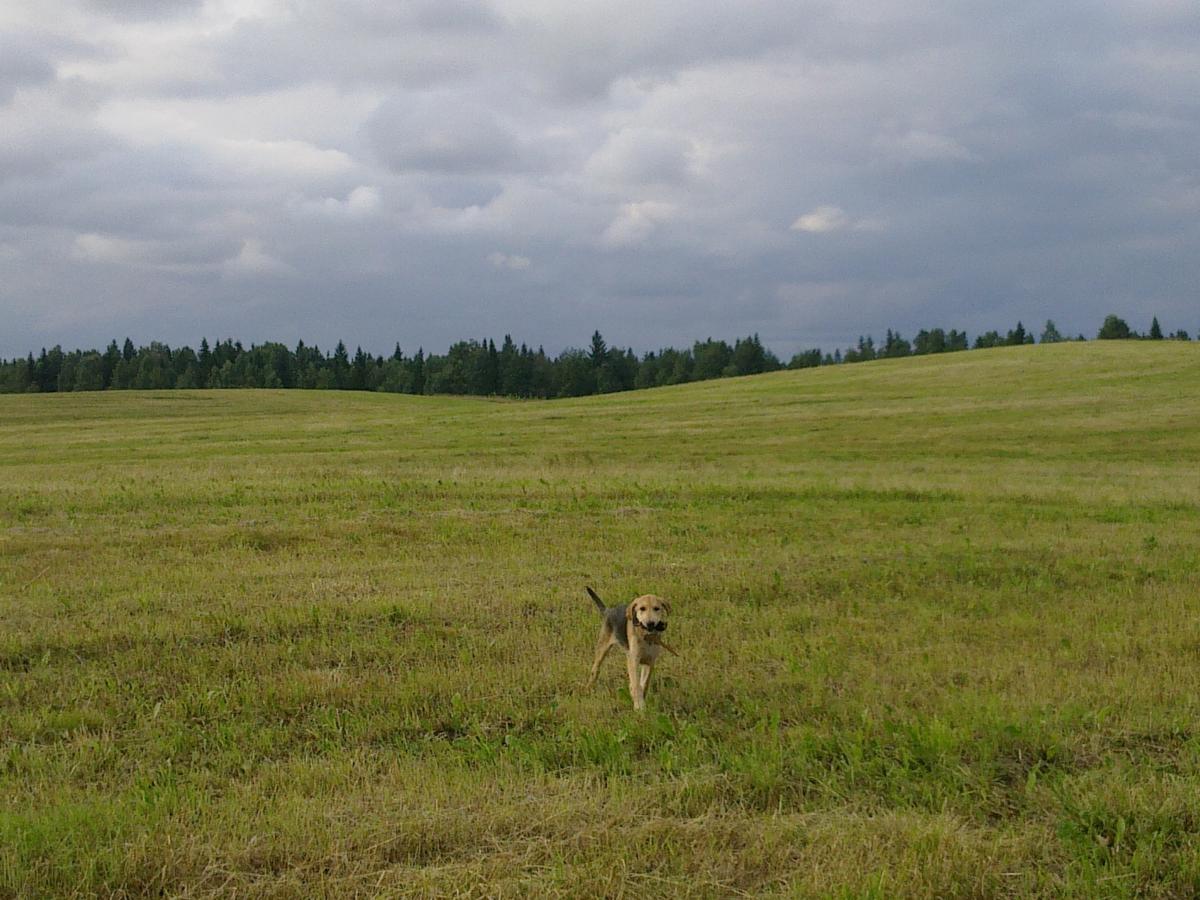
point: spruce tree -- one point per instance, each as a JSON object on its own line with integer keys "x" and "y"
{"x": 599, "y": 350}
{"x": 1016, "y": 337}
{"x": 358, "y": 373}
{"x": 931, "y": 341}
{"x": 416, "y": 368}
{"x": 509, "y": 365}
{"x": 894, "y": 345}
{"x": 340, "y": 366}
{"x": 1050, "y": 334}
{"x": 492, "y": 370}
{"x": 111, "y": 357}
{"x": 203, "y": 363}
{"x": 988, "y": 339}
{"x": 748, "y": 357}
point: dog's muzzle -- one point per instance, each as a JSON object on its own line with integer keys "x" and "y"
{"x": 654, "y": 626}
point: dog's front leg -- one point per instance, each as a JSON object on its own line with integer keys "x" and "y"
{"x": 635, "y": 683}
{"x": 645, "y": 679}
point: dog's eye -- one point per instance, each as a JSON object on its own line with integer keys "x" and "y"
{"x": 657, "y": 608}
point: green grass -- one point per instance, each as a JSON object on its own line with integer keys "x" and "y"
{"x": 938, "y": 620}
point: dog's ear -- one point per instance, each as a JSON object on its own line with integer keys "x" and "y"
{"x": 629, "y": 613}
{"x": 666, "y": 606}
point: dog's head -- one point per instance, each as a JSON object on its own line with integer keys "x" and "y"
{"x": 649, "y": 612}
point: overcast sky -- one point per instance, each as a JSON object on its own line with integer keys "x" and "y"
{"x": 663, "y": 171}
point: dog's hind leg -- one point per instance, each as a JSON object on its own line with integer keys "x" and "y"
{"x": 604, "y": 643}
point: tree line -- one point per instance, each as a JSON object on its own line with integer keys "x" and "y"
{"x": 474, "y": 366}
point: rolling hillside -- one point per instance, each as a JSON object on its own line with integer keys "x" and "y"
{"x": 938, "y": 620}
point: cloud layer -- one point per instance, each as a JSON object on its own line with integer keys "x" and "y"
{"x": 424, "y": 171}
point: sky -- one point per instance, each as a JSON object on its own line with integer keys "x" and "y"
{"x": 423, "y": 172}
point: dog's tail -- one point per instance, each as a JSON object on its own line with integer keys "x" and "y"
{"x": 596, "y": 599}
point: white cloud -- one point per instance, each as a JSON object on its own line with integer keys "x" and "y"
{"x": 636, "y": 222}
{"x": 363, "y": 200}
{"x": 100, "y": 248}
{"x": 150, "y": 126}
{"x": 253, "y": 259}
{"x": 279, "y": 159}
{"x": 822, "y": 220}
{"x": 178, "y": 257}
{"x": 641, "y": 156}
{"x": 360, "y": 203}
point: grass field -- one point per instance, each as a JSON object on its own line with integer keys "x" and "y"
{"x": 938, "y": 620}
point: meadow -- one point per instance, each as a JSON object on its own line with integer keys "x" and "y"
{"x": 938, "y": 624}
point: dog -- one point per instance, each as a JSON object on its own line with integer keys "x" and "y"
{"x": 638, "y": 628}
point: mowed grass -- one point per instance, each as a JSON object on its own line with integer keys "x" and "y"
{"x": 938, "y": 620}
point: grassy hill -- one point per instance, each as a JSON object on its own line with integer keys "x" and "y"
{"x": 937, "y": 616}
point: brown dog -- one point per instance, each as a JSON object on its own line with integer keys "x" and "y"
{"x": 638, "y": 628}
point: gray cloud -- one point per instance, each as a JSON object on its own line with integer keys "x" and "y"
{"x": 442, "y": 133}
{"x": 431, "y": 170}
{"x": 133, "y": 10}
{"x": 21, "y": 64}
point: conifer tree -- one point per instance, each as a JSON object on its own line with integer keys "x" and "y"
{"x": 108, "y": 364}
{"x": 1016, "y": 337}
{"x": 358, "y": 372}
{"x": 1050, "y": 334}
{"x": 417, "y": 372}
{"x": 599, "y": 350}
{"x": 340, "y": 366}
